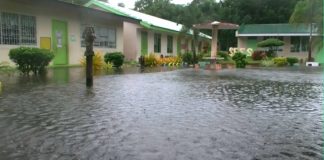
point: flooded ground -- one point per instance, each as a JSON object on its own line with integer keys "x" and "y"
{"x": 246, "y": 114}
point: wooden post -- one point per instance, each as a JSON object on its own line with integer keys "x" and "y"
{"x": 89, "y": 37}
{"x": 89, "y": 71}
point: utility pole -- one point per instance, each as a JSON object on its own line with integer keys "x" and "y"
{"x": 311, "y": 32}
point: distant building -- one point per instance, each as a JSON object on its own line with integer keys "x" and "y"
{"x": 152, "y": 34}
{"x": 295, "y": 37}
{"x": 58, "y": 26}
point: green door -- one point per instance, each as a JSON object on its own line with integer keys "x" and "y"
{"x": 60, "y": 43}
{"x": 144, "y": 43}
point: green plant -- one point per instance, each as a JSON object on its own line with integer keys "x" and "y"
{"x": 267, "y": 63}
{"x": 187, "y": 58}
{"x": 31, "y": 59}
{"x": 97, "y": 61}
{"x": 223, "y": 54}
{"x": 280, "y": 61}
{"x": 240, "y": 60}
{"x": 150, "y": 60}
{"x": 5, "y": 68}
{"x": 116, "y": 58}
{"x": 292, "y": 60}
{"x": 272, "y": 44}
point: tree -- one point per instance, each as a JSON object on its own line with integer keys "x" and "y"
{"x": 272, "y": 44}
{"x": 159, "y": 8}
{"x": 192, "y": 15}
{"x": 310, "y": 12}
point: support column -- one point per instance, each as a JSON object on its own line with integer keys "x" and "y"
{"x": 214, "y": 41}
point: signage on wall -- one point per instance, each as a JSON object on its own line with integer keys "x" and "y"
{"x": 72, "y": 38}
{"x": 247, "y": 51}
{"x": 59, "y": 39}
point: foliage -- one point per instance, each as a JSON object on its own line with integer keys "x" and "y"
{"x": 169, "y": 61}
{"x": 240, "y": 60}
{"x": 270, "y": 42}
{"x": 98, "y": 61}
{"x": 292, "y": 60}
{"x": 5, "y": 68}
{"x": 280, "y": 61}
{"x": 31, "y": 59}
{"x": 258, "y": 55}
{"x": 116, "y": 58}
{"x": 223, "y": 54}
{"x": 234, "y": 11}
{"x": 187, "y": 58}
{"x": 310, "y": 12}
{"x": 108, "y": 66}
{"x": 267, "y": 62}
{"x": 152, "y": 60}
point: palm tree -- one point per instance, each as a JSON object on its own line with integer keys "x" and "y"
{"x": 310, "y": 12}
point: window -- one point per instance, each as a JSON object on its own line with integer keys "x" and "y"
{"x": 17, "y": 29}
{"x": 105, "y": 37}
{"x": 157, "y": 43}
{"x": 170, "y": 44}
{"x": 299, "y": 44}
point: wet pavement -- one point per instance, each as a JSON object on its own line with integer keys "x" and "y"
{"x": 183, "y": 114}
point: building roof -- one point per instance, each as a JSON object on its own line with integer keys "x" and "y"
{"x": 147, "y": 21}
{"x": 275, "y": 30}
{"x": 221, "y": 25}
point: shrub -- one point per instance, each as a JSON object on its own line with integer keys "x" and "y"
{"x": 258, "y": 55}
{"x": 271, "y": 43}
{"x": 98, "y": 61}
{"x": 280, "y": 61}
{"x": 170, "y": 61}
{"x": 223, "y": 54}
{"x": 187, "y": 58}
{"x": 150, "y": 60}
{"x": 31, "y": 59}
{"x": 240, "y": 60}
{"x": 267, "y": 63}
{"x": 116, "y": 58}
{"x": 292, "y": 60}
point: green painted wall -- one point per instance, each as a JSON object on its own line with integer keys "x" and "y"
{"x": 252, "y": 43}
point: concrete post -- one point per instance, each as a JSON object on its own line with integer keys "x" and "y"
{"x": 214, "y": 41}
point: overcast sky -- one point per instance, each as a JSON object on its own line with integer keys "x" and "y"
{"x": 130, "y": 3}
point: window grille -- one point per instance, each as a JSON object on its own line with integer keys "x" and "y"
{"x": 170, "y": 44}
{"x": 157, "y": 43}
{"x": 105, "y": 37}
{"x": 299, "y": 44}
{"x": 17, "y": 29}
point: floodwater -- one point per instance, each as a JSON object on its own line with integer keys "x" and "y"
{"x": 244, "y": 114}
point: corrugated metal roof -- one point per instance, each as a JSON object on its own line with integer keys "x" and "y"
{"x": 276, "y": 29}
{"x": 149, "y": 21}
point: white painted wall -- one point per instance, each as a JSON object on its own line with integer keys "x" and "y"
{"x": 47, "y": 11}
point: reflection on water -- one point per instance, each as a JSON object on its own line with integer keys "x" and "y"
{"x": 183, "y": 114}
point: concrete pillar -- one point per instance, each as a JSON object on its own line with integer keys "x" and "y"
{"x": 214, "y": 41}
